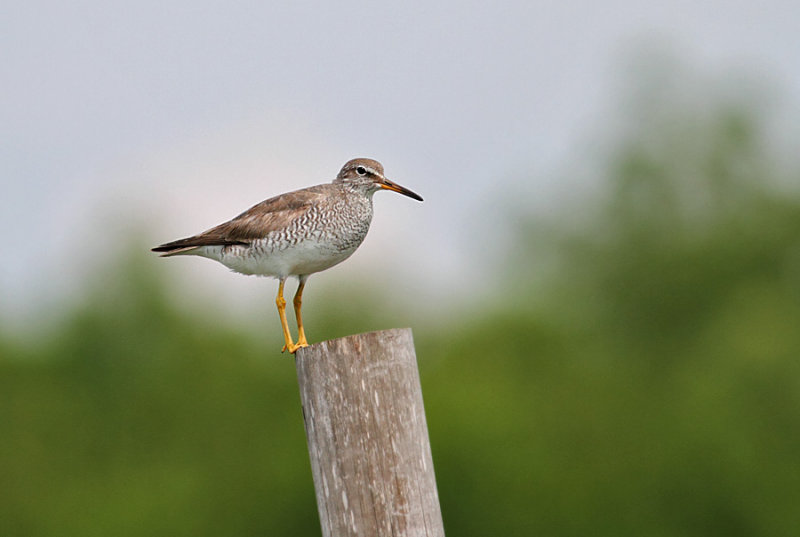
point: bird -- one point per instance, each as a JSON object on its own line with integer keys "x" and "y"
{"x": 295, "y": 234}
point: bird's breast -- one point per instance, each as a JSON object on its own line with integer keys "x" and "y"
{"x": 321, "y": 238}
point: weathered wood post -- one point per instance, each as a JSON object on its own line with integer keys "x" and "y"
{"x": 367, "y": 436}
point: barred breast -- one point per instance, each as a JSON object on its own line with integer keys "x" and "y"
{"x": 322, "y": 237}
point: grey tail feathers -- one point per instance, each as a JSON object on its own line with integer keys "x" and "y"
{"x": 184, "y": 246}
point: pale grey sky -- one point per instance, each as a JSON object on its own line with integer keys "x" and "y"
{"x": 176, "y": 116}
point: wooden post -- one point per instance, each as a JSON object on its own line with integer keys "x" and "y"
{"x": 367, "y": 436}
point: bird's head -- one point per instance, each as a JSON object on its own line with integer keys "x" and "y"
{"x": 367, "y": 175}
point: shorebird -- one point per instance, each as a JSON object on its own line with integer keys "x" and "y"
{"x": 295, "y": 234}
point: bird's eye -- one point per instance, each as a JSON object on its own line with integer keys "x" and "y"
{"x": 361, "y": 170}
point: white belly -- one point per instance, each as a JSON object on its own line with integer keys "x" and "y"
{"x": 306, "y": 257}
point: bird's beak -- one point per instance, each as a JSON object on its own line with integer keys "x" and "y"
{"x": 390, "y": 185}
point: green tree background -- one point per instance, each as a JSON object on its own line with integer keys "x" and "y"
{"x": 638, "y": 373}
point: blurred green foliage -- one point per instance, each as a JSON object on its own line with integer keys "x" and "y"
{"x": 648, "y": 383}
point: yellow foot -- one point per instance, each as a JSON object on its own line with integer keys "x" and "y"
{"x": 292, "y": 348}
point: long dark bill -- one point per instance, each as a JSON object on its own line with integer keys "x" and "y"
{"x": 391, "y": 185}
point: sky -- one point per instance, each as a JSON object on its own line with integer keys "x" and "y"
{"x": 163, "y": 119}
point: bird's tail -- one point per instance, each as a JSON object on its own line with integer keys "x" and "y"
{"x": 189, "y": 245}
{"x": 179, "y": 247}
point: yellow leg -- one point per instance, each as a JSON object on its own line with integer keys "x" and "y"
{"x": 287, "y": 335}
{"x": 298, "y": 303}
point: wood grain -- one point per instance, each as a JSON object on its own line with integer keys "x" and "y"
{"x": 367, "y": 436}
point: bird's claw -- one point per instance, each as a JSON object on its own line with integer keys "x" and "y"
{"x": 292, "y": 348}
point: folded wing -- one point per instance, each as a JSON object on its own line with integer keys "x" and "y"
{"x": 255, "y": 223}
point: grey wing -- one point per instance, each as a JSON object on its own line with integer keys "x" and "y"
{"x": 255, "y": 223}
